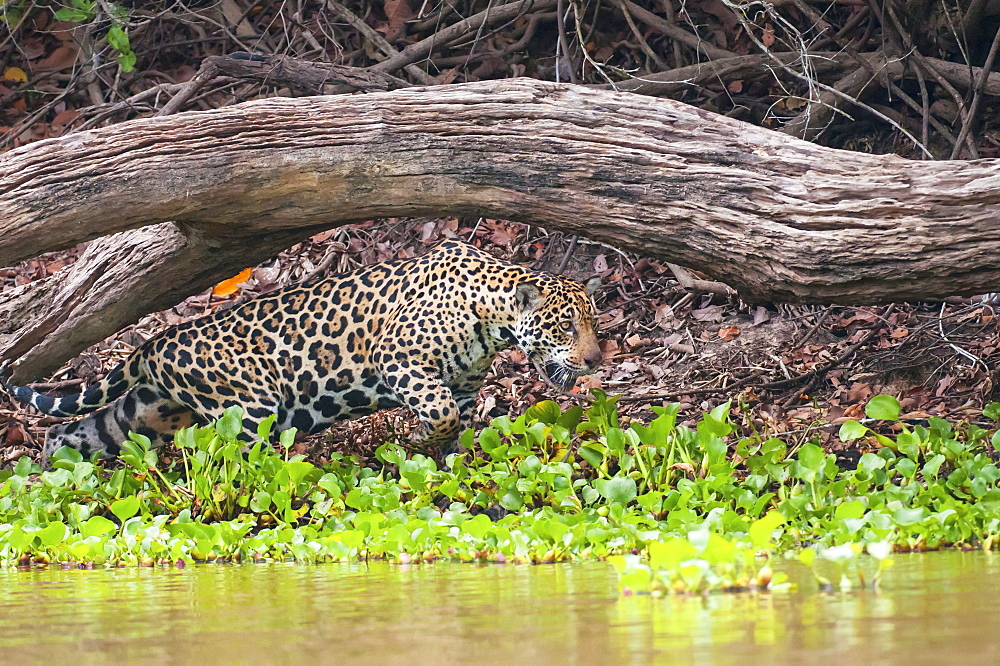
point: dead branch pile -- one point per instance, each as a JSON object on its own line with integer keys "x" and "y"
{"x": 875, "y": 75}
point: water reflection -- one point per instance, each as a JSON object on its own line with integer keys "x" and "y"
{"x": 934, "y": 607}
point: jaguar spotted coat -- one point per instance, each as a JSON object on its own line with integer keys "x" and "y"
{"x": 418, "y": 333}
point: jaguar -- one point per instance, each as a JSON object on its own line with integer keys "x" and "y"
{"x": 418, "y": 333}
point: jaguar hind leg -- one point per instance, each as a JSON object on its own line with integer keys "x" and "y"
{"x": 141, "y": 410}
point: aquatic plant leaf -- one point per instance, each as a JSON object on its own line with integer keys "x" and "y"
{"x": 849, "y": 510}
{"x": 620, "y": 489}
{"x": 52, "y": 534}
{"x": 761, "y": 531}
{"x": 851, "y": 430}
{"x": 264, "y": 427}
{"x": 883, "y": 407}
{"x": 870, "y": 462}
{"x": 231, "y": 424}
{"x": 125, "y": 508}
{"x": 97, "y": 526}
{"x": 591, "y": 455}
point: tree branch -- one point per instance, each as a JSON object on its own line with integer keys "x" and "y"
{"x": 774, "y": 217}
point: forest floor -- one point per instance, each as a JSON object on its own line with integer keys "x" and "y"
{"x": 798, "y": 370}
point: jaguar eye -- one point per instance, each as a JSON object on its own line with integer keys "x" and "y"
{"x": 566, "y": 325}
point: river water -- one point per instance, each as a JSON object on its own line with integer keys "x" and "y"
{"x": 933, "y": 608}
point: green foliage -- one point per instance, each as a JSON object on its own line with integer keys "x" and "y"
{"x": 109, "y": 15}
{"x": 676, "y": 506}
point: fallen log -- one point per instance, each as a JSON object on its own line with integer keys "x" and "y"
{"x": 776, "y": 218}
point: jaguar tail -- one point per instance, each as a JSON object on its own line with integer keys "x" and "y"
{"x": 109, "y": 389}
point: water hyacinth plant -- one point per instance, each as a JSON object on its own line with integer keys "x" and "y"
{"x": 674, "y": 507}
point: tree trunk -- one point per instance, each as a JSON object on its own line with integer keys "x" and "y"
{"x": 775, "y": 217}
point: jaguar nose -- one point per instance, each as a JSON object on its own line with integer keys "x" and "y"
{"x": 593, "y": 358}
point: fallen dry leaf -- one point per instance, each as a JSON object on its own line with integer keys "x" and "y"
{"x": 710, "y": 313}
{"x": 15, "y": 75}
{"x": 232, "y": 285}
{"x": 727, "y": 333}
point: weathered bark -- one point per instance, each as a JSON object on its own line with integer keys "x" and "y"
{"x": 775, "y": 217}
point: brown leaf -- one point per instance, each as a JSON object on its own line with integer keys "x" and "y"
{"x": 600, "y": 263}
{"x": 663, "y": 315}
{"x": 324, "y": 236}
{"x": 859, "y": 391}
{"x": 62, "y": 58}
{"x": 727, "y": 333}
{"x": 500, "y": 233}
{"x": 184, "y": 73}
{"x": 609, "y": 348}
{"x": 398, "y": 12}
{"x": 447, "y": 76}
{"x": 64, "y": 30}
{"x": 64, "y": 119}
{"x": 710, "y": 313}
{"x": 946, "y": 383}
{"x": 767, "y": 39}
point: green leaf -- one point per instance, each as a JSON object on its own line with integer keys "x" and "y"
{"x": 97, "y": 526}
{"x": 669, "y": 553}
{"x": 298, "y": 470}
{"x": 812, "y": 457}
{"x": 931, "y": 468}
{"x": 620, "y": 490}
{"x": 489, "y": 439}
{"x": 992, "y": 411}
{"x": 903, "y": 516}
{"x": 287, "y": 437}
{"x": 762, "y": 530}
{"x": 879, "y": 549}
{"x": 870, "y": 462}
{"x": 264, "y": 427}
{"x": 19, "y": 539}
{"x": 118, "y": 39}
{"x": 906, "y": 467}
{"x": 883, "y": 407}
{"x": 331, "y": 484}
{"x": 230, "y": 425}
{"x": 52, "y": 534}
{"x": 72, "y": 15}
{"x": 851, "y": 430}
{"x": 125, "y": 508}
{"x": 592, "y": 456}
{"x": 65, "y": 453}
{"x": 512, "y": 500}
{"x": 849, "y": 510}
{"x": 546, "y": 411}
{"x": 529, "y": 466}
{"x": 126, "y": 61}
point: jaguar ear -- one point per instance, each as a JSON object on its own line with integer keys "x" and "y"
{"x": 593, "y": 284}
{"x": 528, "y": 296}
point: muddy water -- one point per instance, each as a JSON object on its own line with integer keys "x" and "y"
{"x": 934, "y": 608}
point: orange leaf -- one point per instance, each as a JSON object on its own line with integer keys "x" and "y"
{"x": 232, "y": 285}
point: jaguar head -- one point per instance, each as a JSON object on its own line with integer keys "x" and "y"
{"x": 557, "y": 328}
